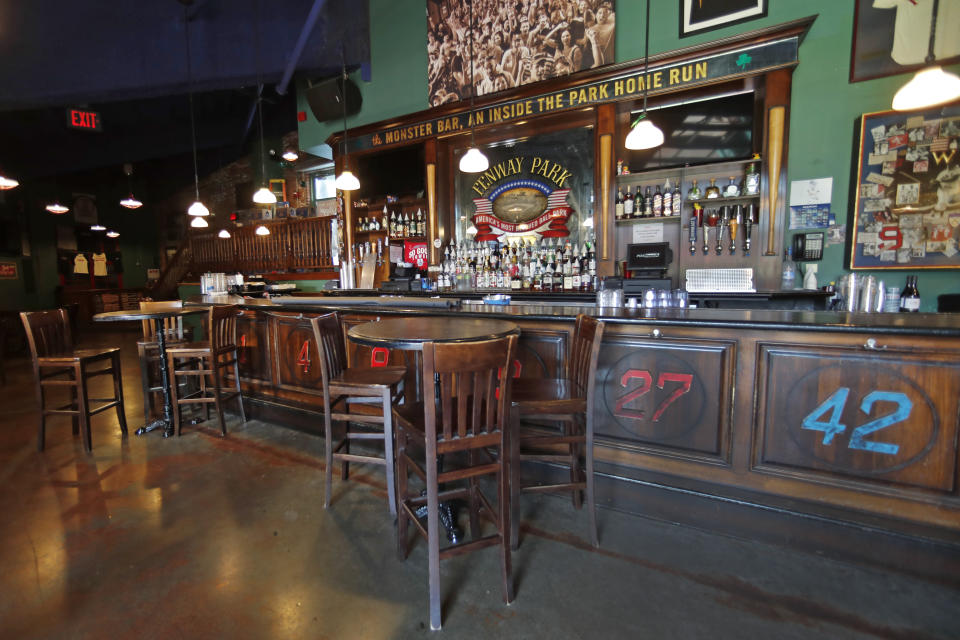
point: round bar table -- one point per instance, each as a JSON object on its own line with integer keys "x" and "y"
{"x": 158, "y": 316}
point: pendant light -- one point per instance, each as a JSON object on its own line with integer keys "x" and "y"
{"x": 473, "y": 161}
{"x": 97, "y": 227}
{"x": 932, "y": 85}
{"x": 346, "y": 181}
{"x": 130, "y": 202}
{"x": 643, "y": 133}
{"x": 56, "y": 208}
{"x": 197, "y": 208}
{"x": 112, "y": 234}
{"x": 223, "y": 234}
{"x": 290, "y": 155}
{"x": 262, "y": 230}
{"x": 263, "y": 194}
{"x": 8, "y": 183}
{"x": 199, "y": 222}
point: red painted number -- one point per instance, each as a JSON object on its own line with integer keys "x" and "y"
{"x": 379, "y": 357}
{"x": 685, "y": 381}
{"x": 303, "y": 358}
{"x": 243, "y": 351}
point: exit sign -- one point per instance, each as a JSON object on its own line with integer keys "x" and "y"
{"x": 80, "y": 119}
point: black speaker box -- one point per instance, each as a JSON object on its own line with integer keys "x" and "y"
{"x": 324, "y": 99}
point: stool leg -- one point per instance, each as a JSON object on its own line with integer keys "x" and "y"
{"x": 402, "y": 515}
{"x": 118, "y": 393}
{"x": 236, "y": 379}
{"x": 74, "y": 403}
{"x": 503, "y": 503}
{"x": 474, "y": 501}
{"x": 572, "y": 427}
{"x": 174, "y": 392}
{"x": 433, "y": 539}
{"x": 388, "y": 451}
{"x": 591, "y": 498}
{"x": 83, "y": 399}
{"x": 513, "y": 462}
{"x": 328, "y": 451}
{"x": 217, "y": 396}
{"x": 145, "y": 382}
{"x": 42, "y": 420}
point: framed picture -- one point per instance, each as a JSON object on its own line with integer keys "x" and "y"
{"x": 697, "y": 16}
{"x": 906, "y": 198}
{"x": 278, "y": 187}
{"x": 894, "y": 37}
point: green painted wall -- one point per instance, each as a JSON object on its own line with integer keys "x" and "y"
{"x": 824, "y": 106}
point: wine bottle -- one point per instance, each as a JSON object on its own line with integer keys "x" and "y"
{"x": 619, "y": 203}
{"x": 910, "y": 296}
{"x": 628, "y": 204}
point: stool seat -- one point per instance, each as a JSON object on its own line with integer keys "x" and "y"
{"x": 561, "y": 395}
{"x": 70, "y": 357}
{"x": 370, "y": 377}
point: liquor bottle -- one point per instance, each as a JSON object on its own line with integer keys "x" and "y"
{"x": 647, "y": 204}
{"x": 751, "y": 180}
{"x": 667, "y": 199}
{"x": 557, "y": 277}
{"x": 619, "y": 203}
{"x": 547, "y": 279}
{"x": 657, "y": 203}
{"x": 694, "y": 193}
{"x": 628, "y": 204}
{"x": 713, "y": 191}
{"x": 732, "y": 190}
{"x": 384, "y": 223}
{"x": 789, "y": 274}
{"x": 537, "y": 280}
{"x": 421, "y": 225}
{"x": 677, "y": 200}
{"x": 910, "y": 297}
{"x": 393, "y": 222}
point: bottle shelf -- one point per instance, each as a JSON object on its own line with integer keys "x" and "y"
{"x": 704, "y": 202}
{"x": 648, "y": 220}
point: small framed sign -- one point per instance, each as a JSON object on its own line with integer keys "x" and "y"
{"x": 697, "y": 16}
{"x": 8, "y": 271}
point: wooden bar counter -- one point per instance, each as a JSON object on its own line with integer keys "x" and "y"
{"x": 840, "y": 417}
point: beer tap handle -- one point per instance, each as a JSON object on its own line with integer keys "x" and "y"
{"x": 720, "y": 226}
{"x": 733, "y": 235}
{"x": 747, "y": 228}
{"x": 693, "y": 235}
{"x": 706, "y": 239}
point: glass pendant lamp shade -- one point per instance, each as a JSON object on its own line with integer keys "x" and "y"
{"x": 290, "y": 155}
{"x": 644, "y": 135}
{"x": 473, "y": 161}
{"x": 57, "y": 208}
{"x": 223, "y": 234}
{"x": 346, "y": 181}
{"x": 264, "y": 196}
{"x": 199, "y": 223}
{"x": 930, "y": 87}
{"x": 198, "y": 209}
{"x": 112, "y": 234}
{"x": 8, "y": 183}
{"x": 262, "y": 231}
{"x": 130, "y": 202}
{"x": 97, "y": 227}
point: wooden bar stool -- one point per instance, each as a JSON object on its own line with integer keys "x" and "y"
{"x": 148, "y": 349}
{"x": 57, "y": 364}
{"x": 344, "y": 386}
{"x": 569, "y": 401}
{"x": 464, "y": 418}
{"x": 209, "y": 357}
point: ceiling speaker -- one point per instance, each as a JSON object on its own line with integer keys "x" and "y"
{"x": 324, "y": 99}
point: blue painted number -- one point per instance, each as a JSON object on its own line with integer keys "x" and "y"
{"x": 904, "y": 406}
{"x": 833, "y": 404}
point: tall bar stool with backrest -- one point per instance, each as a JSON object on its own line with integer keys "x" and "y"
{"x": 464, "y": 418}
{"x": 56, "y": 364}
{"x": 212, "y": 356}
{"x": 344, "y": 386}
{"x": 148, "y": 349}
{"x": 568, "y": 400}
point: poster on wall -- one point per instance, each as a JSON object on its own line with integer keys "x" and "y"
{"x": 894, "y": 36}
{"x": 697, "y": 16}
{"x": 514, "y": 43}
{"x": 906, "y": 212}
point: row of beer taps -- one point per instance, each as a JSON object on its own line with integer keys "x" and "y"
{"x": 729, "y": 217}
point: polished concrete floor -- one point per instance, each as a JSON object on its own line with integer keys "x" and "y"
{"x": 209, "y": 537}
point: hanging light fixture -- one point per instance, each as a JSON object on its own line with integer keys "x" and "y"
{"x": 130, "y": 202}
{"x": 263, "y": 195}
{"x": 197, "y": 208}
{"x": 8, "y": 183}
{"x": 931, "y": 85}
{"x": 262, "y": 230}
{"x": 97, "y": 227}
{"x": 223, "y": 234}
{"x": 643, "y": 133}
{"x": 290, "y": 155}
{"x": 112, "y": 234}
{"x": 199, "y": 222}
{"x": 473, "y": 161}
{"x": 346, "y": 181}
{"x": 56, "y": 208}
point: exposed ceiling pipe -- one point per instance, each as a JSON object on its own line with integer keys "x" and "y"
{"x": 301, "y": 44}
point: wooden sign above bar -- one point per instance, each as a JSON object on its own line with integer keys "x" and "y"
{"x": 709, "y": 69}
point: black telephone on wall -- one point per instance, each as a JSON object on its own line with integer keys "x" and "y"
{"x": 808, "y": 247}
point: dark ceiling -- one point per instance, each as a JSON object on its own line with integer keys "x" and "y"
{"x": 128, "y": 62}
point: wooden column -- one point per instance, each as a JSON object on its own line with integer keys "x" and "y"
{"x": 433, "y": 221}
{"x": 603, "y": 226}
